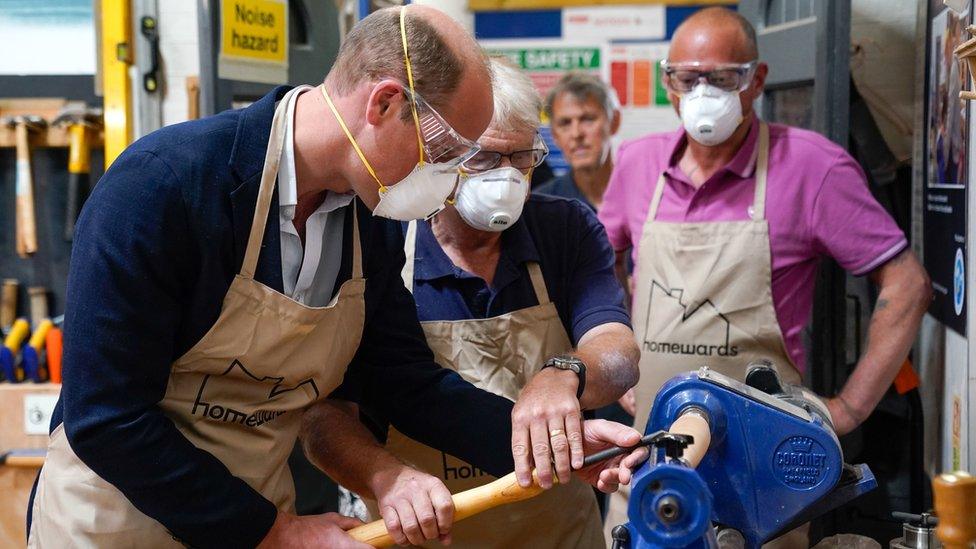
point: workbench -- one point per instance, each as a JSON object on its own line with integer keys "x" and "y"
{"x": 18, "y": 400}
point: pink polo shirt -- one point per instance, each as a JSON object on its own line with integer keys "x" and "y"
{"x": 817, "y": 203}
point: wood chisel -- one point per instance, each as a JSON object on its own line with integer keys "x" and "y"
{"x": 502, "y": 491}
{"x": 8, "y": 304}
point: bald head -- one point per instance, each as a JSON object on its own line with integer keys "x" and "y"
{"x": 717, "y": 35}
{"x": 442, "y": 53}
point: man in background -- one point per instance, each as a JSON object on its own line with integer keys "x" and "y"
{"x": 584, "y": 115}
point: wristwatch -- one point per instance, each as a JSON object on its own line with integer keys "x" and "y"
{"x": 571, "y": 363}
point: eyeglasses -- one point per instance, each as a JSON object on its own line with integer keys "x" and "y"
{"x": 683, "y": 77}
{"x": 442, "y": 143}
{"x": 483, "y": 160}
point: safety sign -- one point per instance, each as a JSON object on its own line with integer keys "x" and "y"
{"x": 254, "y": 41}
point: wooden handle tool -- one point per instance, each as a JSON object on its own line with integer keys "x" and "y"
{"x": 954, "y": 496}
{"x": 8, "y": 304}
{"x": 470, "y": 502}
{"x": 507, "y": 489}
{"x": 26, "y": 234}
{"x": 38, "y": 305}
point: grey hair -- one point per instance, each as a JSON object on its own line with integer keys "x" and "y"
{"x": 584, "y": 86}
{"x": 517, "y": 103}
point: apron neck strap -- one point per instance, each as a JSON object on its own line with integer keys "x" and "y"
{"x": 762, "y": 168}
{"x": 410, "y": 252}
{"x": 357, "y": 250}
{"x": 538, "y": 282}
{"x": 272, "y": 158}
{"x": 656, "y": 201}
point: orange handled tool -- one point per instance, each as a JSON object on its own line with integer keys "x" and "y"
{"x": 54, "y": 353}
{"x": 955, "y": 504}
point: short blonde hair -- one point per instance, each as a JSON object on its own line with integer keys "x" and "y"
{"x": 517, "y": 103}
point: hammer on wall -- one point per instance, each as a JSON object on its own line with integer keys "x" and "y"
{"x": 26, "y": 222}
{"x": 80, "y": 123}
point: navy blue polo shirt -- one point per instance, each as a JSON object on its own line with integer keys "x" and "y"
{"x": 564, "y": 186}
{"x": 567, "y": 241}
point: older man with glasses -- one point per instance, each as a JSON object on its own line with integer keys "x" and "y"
{"x": 517, "y": 294}
{"x": 727, "y": 220}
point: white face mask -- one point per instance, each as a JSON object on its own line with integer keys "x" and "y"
{"x": 710, "y": 115}
{"x": 420, "y": 195}
{"x": 492, "y": 200}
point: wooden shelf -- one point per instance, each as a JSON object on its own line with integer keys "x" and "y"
{"x": 49, "y": 137}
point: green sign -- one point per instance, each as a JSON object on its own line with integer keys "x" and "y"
{"x": 553, "y": 59}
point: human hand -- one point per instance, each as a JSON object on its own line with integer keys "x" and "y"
{"x": 841, "y": 416}
{"x": 608, "y": 475}
{"x": 328, "y": 530}
{"x": 547, "y": 428}
{"x": 416, "y": 507}
{"x": 629, "y": 402}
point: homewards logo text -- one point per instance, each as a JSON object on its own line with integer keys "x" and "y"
{"x": 271, "y": 390}
{"x": 701, "y": 330}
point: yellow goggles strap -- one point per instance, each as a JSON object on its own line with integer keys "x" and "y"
{"x": 342, "y": 124}
{"x": 406, "y": 60}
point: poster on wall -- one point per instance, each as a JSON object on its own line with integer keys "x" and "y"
{"x": 633, "y": 71}
{"x": 52, "y": 36}
{"x": 947, "y": 169}
{"x": 546, "y": 61}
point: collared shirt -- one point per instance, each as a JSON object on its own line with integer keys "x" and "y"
{"x": 309, "y": 272}
{"x": 567, "y": 241}
{"x": 817, "y": 203}
{"x": 564, "y": 186}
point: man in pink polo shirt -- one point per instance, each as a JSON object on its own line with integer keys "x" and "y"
{"x": 727, "y": 220}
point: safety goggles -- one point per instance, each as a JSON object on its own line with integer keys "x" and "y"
{"x": 441, "y": 143}
{"x": 683, "y": 77}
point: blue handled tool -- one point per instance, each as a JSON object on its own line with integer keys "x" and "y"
{"x": 11, "y": 346}
{"x": 32, "y": 357}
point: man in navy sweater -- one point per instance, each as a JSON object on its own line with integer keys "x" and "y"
{"x": 227, "y": 275}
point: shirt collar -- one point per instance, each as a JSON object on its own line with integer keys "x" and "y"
{"x": 432, "y": 263}
{"x": 288, "y": 180}
{"x": 743, "y": 164}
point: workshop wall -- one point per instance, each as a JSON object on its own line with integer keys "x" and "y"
{"x": 179, "y": 43}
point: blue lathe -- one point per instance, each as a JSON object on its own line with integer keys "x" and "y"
{"x": 745, "y": 462}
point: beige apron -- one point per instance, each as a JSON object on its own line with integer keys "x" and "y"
{"x": 501, "y": 355}
{"x": 239, "y": 394}
{"x": 703, "y": 297}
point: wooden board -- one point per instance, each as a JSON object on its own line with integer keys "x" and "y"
{"x": 48, "y": 109}
{"x": 12, "y": 414}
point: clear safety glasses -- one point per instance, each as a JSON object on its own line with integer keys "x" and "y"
{"x": 442, "y": 144}
{"x": 483, "y": 160}
{"x": 683, "y": 77}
